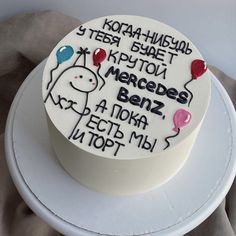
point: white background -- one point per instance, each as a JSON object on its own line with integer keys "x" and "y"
{"x": 210, "y": 24}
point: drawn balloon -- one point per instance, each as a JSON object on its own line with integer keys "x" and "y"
{"x": 64, "y": 53}
{"x": 99, "y": 56}
{"x": 198, "y": 68}
{"x": 181, "y": 118}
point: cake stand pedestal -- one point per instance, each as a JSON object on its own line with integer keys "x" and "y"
{"x": 172, "y": 209}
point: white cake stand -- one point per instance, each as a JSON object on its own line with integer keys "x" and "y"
{"x": 173, "y": 209}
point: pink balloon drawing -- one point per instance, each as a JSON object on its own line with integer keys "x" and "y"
{"x": 181, "y": 118}
{"x": 198, "y": 68}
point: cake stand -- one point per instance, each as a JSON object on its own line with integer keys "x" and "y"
{"x": 172, "y": 209}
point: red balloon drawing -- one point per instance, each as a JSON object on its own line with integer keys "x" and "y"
{"x": 99, "y": 55}
{"x": 198, "y": 68}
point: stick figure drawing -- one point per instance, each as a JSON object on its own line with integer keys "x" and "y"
{"x": 78, "y": 81}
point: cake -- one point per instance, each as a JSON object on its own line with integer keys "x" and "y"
{"x": 125, "y": 97}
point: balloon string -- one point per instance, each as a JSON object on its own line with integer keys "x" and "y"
{"x": 51, "y": 75}
{"x": 50, "y": 90}
{"x": 86, "y": 102}
{"x": 191, "y": 94}
{"x": 99, "y": 66}
{"x": 166, "y": 139}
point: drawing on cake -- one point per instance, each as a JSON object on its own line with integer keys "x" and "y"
{"x": 64, "y": 53}
{"x": 198, "y": 68}
{"x": 77, "y": 78}
{"x": 99, "y": 55}
{"x": 181, "y": 118}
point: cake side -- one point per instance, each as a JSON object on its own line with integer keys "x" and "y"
{"x": 116, "y": 176}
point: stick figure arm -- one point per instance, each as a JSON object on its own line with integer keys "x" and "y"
{"x": 59, "y": 100}
{"x": 71, "y": 105}
{"x": 86, "y": 111}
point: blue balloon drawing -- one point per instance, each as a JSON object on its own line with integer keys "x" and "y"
{"x": 64, "y": 53}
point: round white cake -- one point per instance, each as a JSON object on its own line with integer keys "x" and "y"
{"x": 125, "y": 97}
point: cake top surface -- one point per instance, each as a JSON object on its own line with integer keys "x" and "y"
{"x": 125, "y": 87}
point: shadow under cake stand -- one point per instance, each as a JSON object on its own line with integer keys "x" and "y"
{"x": 172, "y": 209}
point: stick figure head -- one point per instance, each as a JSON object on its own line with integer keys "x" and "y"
{"x": 82, "y": 79}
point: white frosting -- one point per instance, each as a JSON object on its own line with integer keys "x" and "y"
{"x": 102, "y": 134}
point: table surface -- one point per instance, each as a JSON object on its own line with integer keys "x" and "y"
{"x": 210, "y": 24}
{"x": 172, "y": 209}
